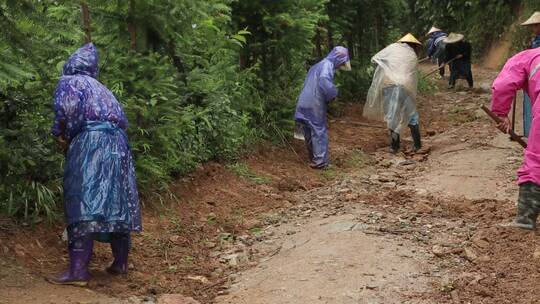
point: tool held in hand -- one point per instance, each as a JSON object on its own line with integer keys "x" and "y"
{"x": 514, "y": 114}
{"x": 511, "y": 132}
{"x": 441, "y": 66}
{"x": 299, "y": 132}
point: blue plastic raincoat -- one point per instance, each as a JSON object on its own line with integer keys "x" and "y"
{"x": 527, "y": 108}
{"x": 536, "y": 42}
{"x": 318, "y": 91}
{"x": 100, "y": 191}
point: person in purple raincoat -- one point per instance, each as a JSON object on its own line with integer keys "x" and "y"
{"x": 318, "y": 91}
{"x": 100, "y": 192}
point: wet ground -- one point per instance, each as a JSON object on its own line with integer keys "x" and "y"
{"x": 375, "y": 228}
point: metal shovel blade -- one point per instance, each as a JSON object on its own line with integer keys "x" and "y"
{"x": 299, "y": 132}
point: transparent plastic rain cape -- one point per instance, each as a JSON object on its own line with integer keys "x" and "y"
{"x": 391, "y": 97}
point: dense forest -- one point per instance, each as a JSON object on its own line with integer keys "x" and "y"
{"x": 199, "y": 80}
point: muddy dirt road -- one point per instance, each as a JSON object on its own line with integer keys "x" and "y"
{"x": 375, "y": 228}
{"x": 406, "y": 230}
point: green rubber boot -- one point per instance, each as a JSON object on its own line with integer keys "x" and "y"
{"x": 528, "y": 207}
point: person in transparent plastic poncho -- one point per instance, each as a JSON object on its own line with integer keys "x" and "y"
{"x": 318, "y": 91}
{"x": 101, "y": 200}
{"x": 391, "y": 97}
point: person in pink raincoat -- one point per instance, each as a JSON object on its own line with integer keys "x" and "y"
{"x": 522, "y": 72}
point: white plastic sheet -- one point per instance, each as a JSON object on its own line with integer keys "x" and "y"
{"x": 391, "y": 97}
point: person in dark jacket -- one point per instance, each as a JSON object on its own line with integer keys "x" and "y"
{"x": 458, "y": 56}
{"x": 436, "y": 48}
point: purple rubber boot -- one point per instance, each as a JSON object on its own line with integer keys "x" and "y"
{"x": 80, "y": 253}
{"x": 120, "y": 250}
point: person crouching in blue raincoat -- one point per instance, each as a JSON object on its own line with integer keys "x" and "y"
{"x": 318, "y": 91}
{"x": 100, "y": 193}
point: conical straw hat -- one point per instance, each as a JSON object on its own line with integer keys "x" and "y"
{"x": 453, "y": 38}
{"x": 433, "y": 30}
{"x": 410, "y": 39}
{"x": 535, "y": 19}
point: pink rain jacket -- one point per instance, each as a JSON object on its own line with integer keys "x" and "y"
{"x": 522, "y": 72}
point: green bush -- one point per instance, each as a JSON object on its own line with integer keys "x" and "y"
{"x": 521, "y": 38}
{"x": 482, "y": 21}
{"x": 29, "y": 161}
{"x": 198, "y": 79}
{"x": 180, "y": 85}
{"x": 426, "y": 84}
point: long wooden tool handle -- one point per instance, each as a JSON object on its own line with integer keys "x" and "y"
{"x": 511, "y": 132}
{"x": 440, "y": 67}
{"x": 514, "y": 113}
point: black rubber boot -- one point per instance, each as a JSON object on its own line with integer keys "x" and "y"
{"x": 452, "y": 81}
{"x": 528, "y": 207}
{"x": 470, "y": 80}
{"x": 395, "y": 141}
{"x": 415, "y": 132}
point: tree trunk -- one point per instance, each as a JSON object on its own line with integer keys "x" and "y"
{"x": 86, "y": 21}
{"x": 378, "y": 31}
{"x": 330, "y": 37}
{"x": 177, "y": 61}
{"x": 243, "y": 60}
{"x": 132, "y": 28}
{"x": 318, "y": 41}
{"x": 244, "y": 55}
{"x": 350, "y": 42}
